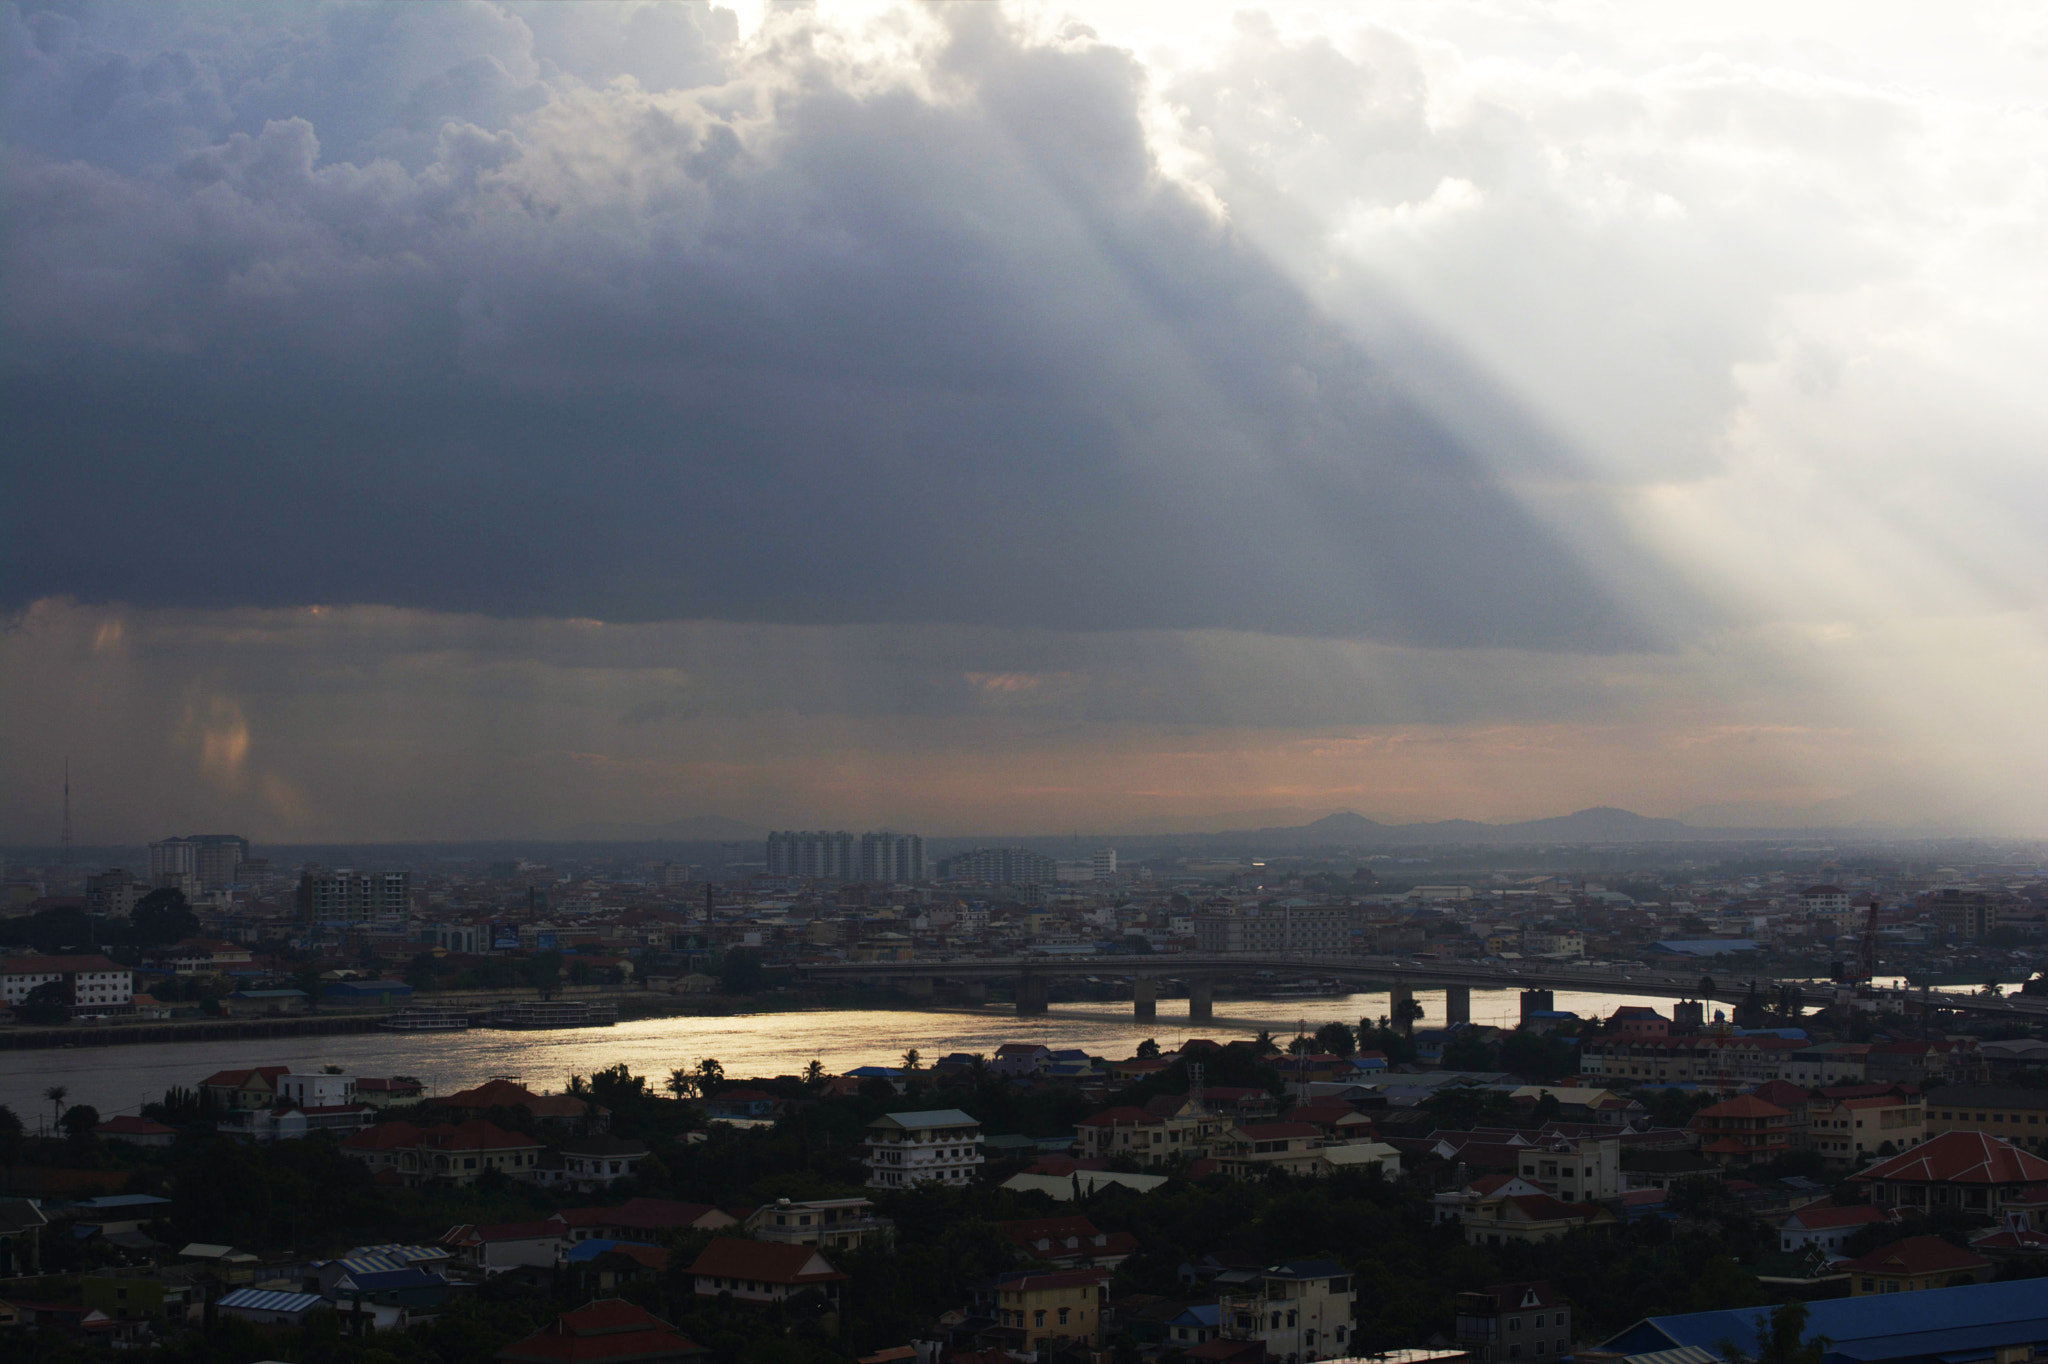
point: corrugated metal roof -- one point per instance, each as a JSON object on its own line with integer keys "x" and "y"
{"x": 1879, "y": 1327}
{"x": 266, "y": 1300}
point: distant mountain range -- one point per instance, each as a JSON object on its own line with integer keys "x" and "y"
{"x": 700, "y": 829}
{"x": 1601, "y": 824}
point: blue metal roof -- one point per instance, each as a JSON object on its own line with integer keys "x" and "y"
{"x": 590, "y": 1250}
{"x": 1968, "y": 1322}
{"x": 384, "y": 1280}
{"x": 264, "y": 1300}
{"x": 107, "y": 1202}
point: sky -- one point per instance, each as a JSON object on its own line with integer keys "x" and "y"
{"x": 483, "y": 420}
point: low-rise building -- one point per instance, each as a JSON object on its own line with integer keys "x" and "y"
{"x": 763, "y": 1272}
{"x": 940, "y": 1146}
{"x": 92, "y": 985}
{"x": 1055, "y": 1306}
{"x": 1514, "y": 1321}
{"x": 1575, "y": 1169}
{"x": 1744, "y": 1130}
{"x": 828, "y": 1223}
{"x": 1958, "y": 1172}
{"x": 1502, "y": 1218}
{"x": 2009, "y": 1113}
{"x": 590, "y": 1164}
{"x": 1914, "y": 1265}
{"x": 1069, "y": 1242}
{"x": 608, "y": 1331}
{"x": 506, "y": 1245}
{"x": 1299, "y": 1311}
{"x": 1826, "y": 1226}
{"x": 1847, "y": 1126}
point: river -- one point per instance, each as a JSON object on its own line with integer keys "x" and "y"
{"x": 122, "y": 1079}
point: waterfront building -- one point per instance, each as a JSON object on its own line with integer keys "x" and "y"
{"x": 92, "y": 984}
{"x": 940, "y": 1146}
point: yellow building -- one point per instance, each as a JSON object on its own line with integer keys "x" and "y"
{"x": 1065, "y": 1306}
{"x": 2019, "y": 1116}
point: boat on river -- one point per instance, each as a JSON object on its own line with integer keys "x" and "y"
{"x": 553, "y": 1013}
{"x": 426, "y": 1020}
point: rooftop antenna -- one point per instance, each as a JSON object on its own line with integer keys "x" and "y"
{"x": 64, "y": 835}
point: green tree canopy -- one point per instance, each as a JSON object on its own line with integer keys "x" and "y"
{"x": 162, "y": 917}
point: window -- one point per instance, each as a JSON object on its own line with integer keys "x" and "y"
{"x": 1038, "y": 1317}
{"x": 1539, "y": 1321}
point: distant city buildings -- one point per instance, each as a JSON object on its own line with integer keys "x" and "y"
{"x": 837, "y": 855}
{"x": 1001, "y": 867}
{"x": 209, "y": 860}
{"x": 345, "y": 896}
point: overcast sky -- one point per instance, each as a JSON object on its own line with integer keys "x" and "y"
{"x": 472, "y": 420}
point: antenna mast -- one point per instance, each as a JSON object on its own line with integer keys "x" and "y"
{"x": 64, "y": 834}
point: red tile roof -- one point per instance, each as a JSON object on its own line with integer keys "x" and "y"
{"x": 385, "y": 1136}
{"x": 609, "y": 1331}
{"x": 1960, "y": 1158}
{"x": 128, "y": 1125}
{"x": 1916, "y": 1255}
{"x": 475, "y": 1135}
{"x": 1061, "y": 1278}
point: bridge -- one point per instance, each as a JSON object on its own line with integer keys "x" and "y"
{"x": 1032, "y": 975}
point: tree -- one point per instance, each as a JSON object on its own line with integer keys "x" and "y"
{"x": 543, "y": 973}
{"x": 1337, "y": 1040}
{"x": 420, "y": 973}
{"x": 78, "y": 1122}
{"x": 682, "y": 1084}
{"x": 1406, "y": 1012}
{"x": 1148, "y": 1050}
{"x": 710, "y": 1075}
{"x": 814, "y": 1074}
{"x": 161, "y": 918}
{"x": 1782, "y": 1341}
{"x": 1468, "y": 1051}
{"x": 11, "y": 1137}
{"x": 48, "y": 1003}
{"x": 56, "y": 1094}
{"x": 742, "y": 972}
{"x": 911, "y": 1060}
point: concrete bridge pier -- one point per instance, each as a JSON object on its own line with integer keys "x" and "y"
{"x": 1201, "y": 999}
{"x": 1457, "y": 1004}
{"x": 1033, "y": 994}
{"x": 1537, "y": 1001}
{"x": 976, "y": 990}
{"x": 1401, "y": 1009}
{"x": 1145, "y": 997}
{"x": 917, "y": 987}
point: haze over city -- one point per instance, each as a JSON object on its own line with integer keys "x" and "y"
{"x": 469, "y": 421}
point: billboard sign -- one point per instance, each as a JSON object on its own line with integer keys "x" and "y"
{"x": 504, "y": 936}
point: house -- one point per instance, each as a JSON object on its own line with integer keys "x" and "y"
{"x": 1251, "y": 1149}
{"x": 1914, "y": 1265}
{"x": 1743, "y": 1130}
{"x": 1299, "y": 1311}
{"x": 1451, "y": 1204}
{"x": 1513, "y": 1321}
{"x": 1149, "y": 1137}
{"x": 135, "y": 1131}
{"x": 383, "y": 1093}
{"x": 447, "y": 1153}
{"x": 506, "y": 1245}
{"x": 1041, "y": 1308}
{"x": 743, "y": 1103}
{"x": 1637, "y": 1021}
{"x": 21, "y": 1237}
{"x": 592, "y": 1163}
{"x": 607, "y": 1331}
{"x": 763, "y": 1272}
{"x": 1069, "y": 1242}
{"x": 607, "y": 1264}
{"x": 941, "y": 1146}
{"x": 1575, "y": 1169}
{"x": 252, "y": 1088}
{"x": 1958, "y": 1171}
{"x": 318, "y": 1090}
{"x": 829, "y": 1223}
{"x": 564, "y": 1112}
{"x": 1020, "y": 1058}
{"x": 1827, "y": 1226}
{"x": 1502, "y": 1218}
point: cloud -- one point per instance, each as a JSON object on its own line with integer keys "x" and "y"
{"x": 787, "y": 347}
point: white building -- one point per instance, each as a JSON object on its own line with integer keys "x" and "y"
{"x": 316, "y": 1091}
{"x": 93, "y": 984}
{"x": 942, "y": 1146}
{"x": 1299, "y": 1311}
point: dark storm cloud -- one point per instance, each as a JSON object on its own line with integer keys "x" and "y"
{"x": 783, "y": 348}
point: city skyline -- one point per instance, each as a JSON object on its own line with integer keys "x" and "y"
{"x": 483, "y": 421}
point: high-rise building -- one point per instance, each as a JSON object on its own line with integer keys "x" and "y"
{"x": 893, "y": 858}
{"x": 1001, "y": 867}
{"x": 211, "y": 858}
{"x": 816, "y": 853}
{"x": 346, "y": 896}
{"x": 112, "y": 893}
{"x": 1105, "y": 864}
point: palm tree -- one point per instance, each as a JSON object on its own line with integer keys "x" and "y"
{"x": 681, "y": 1083}
{"x": 56, "y": 1094}
{"x": 911, "y": 1059}
{"x": 710, "y": 1075}
{"x": 814, "y": 1073}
